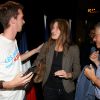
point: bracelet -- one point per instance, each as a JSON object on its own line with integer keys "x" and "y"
{"x": 1, "y": 84}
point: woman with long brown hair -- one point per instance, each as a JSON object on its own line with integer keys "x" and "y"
{"x": 62, "y": 63}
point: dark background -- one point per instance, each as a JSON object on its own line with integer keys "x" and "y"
{"x": 76, "y": 10}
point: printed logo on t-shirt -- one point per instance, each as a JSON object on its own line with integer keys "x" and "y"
{"x": 12, "y": 58}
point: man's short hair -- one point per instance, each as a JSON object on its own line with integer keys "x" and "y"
{"x": 7, "y": 11}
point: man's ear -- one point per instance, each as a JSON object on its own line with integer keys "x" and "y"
{"x": 12, "y": 20}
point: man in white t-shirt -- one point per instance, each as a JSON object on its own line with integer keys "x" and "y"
{"x": 11, "y": 17}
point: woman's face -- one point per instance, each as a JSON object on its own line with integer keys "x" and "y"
{"x": 55, "y": 31}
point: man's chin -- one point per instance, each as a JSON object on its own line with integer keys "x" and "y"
{"x": 20, "y": 30}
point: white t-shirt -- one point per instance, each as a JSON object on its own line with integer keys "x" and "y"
{"x": 10, "y": 66}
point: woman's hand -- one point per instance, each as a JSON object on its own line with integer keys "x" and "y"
{"x": 63, "y": 74}
{"x": 39, "y": 48}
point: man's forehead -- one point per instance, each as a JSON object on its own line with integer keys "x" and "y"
{"x": 97, "y": 31}
{"x": 20, "y": 11}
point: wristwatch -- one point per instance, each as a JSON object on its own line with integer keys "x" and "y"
{"x": 1, "y": 84}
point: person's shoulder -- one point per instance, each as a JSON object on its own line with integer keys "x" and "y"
{"x": 44, "y": 47}
{"x": 74, "y": 46}
{"x": 74, "y": 49}
{"x": 45, "y": 44}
